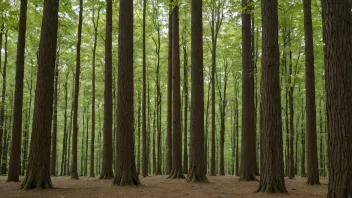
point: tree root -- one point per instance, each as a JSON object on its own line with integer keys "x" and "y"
{"x": 107, "y": 175}
{"x": 278, "y": 187}
{"x": 312, "y": 181}
{"x": 176, "y": 174}
{"x": 125, "y": 179}
{"x": 37, "y": 183}
{"x": 193, "y": 177}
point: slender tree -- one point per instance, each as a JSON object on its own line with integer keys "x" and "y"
{"x": 126, "y": 173}
{"x": 248, "y": 151}
{"x": 337, "y": 30}
{"x": 144, "y": 100}
{"x": 54, "y": 122}
{"x": 312, "y": 157}
{"x": 176, "y": 171}
{"x": 74, "y": 173}
{"x": 106, "y": 171}
{"x": 15, "y": 157}
{"x": 2, "y": 105}
{"x": 96, "y": 25}
{"x": 271, "y": 163}
{"x": 38, "y": 171}
{"x": 197, "y": 172}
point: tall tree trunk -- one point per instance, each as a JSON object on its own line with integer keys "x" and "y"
{"x": 237, "y": 129}
{"x": 248, "y": 155}
{"x": 144, "y": 100}
{"x": 74, "y": 173}
{"x": 176, "y": 171}
{"x": 92, "y": 141}
{"x": 82, "y": 140}
{"x": 303, "y": 144}
{"x": 337, "y": 30}
{"x": 3, "y": 97}
{"x": 15, "y": 157}
{"x": 321, "y": 167}
{"x": 197, "y": 172}
{"x": 139, "y": 135}
{"x": 86, "y": 154}
{"x": 291, "y": 174}
{"x": 54, "y": 122}
{"x": 106, "y": 170}
{"x": 126, "y": 173}
{"x": 38, "y": 172}
{"x": 185, "y": 110}
{"x": 64, "y": 143}
{"x": 271, "y": 163}
{"x": 68, "y": 172}
{"x": 169, "y": 98}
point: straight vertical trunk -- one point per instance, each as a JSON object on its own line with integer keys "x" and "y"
{"x": 54, "y": 122}
{"x": 169, "y": 98}
{"x": 176, "y": 171}
{"x": 92, "y": 141}
{"x": 3, "y": 97}
{"x": 38, "y": 172}
{"x": 337, "y": 30}
{"x": 64, "y": 144}
{"x": 197, "y": 172}
{"x": 271, "y": 163}
{"x": 106, "y": 170}
{"x": 144, "y": 101}
{"x": 74, "y": 173}
{"x": 15, "y": 157}
{"x": 126, "y": 173}
{"x": 248, "y": 155}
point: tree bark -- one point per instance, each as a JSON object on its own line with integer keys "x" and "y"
{"x": 197, "y": 172}
{"x": 337, "y": 30}
{"x": 313, "y": 172}
{"x": 176, "y": 171}
{"x": 248, "y": 155}
{"x": 169, "y": 99}
{"x": 15, "y": 157}
{"x": 106, "y": 170}
{"x": 271, "y": 163}
{"x": 144, "y": 100}
{"x": 54, "y": 122}
{"x": 38, "y": 172}
{"x": 126, "y": 173}
{"x": 2, "y": 107}
{"x": 64, "y": 143}
{"x": 74, "y": 173}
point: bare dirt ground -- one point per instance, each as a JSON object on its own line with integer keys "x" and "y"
{"x": 159, "y": 186}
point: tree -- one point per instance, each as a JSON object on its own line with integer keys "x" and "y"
{"x": 217, "y": 15}
{"x": 96, "y": 25}
{"x": 176, "y": 171}
{"x": 248, "y": 151}
{"x": 54, "y": 121}
{"x": 337, "y": 30}
{"x": 169, "y": 97}
{"x": 74, "y": 173}
{"x": 144, "y": 102}
{"x": 2, "y": 107}
{"x": 197, "y": 172}
{"x": 271, "y": 163}
{"x": 38, "y": 171}
{"x": 313, "y": 172}
{"x": 106, "y": 171}
{"x": 15, "y": 156}
{"x": 126, "y": 174}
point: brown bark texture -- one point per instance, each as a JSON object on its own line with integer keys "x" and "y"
{"x": 337, "y": 30}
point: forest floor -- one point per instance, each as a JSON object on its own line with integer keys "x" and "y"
{"x": 159, "y": 186}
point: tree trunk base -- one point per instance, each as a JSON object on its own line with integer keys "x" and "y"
{"x": 74, "y": 176}
{"x": 107, "y": 175}
{"x": 194, "y": 177}
{"x": 248, "y": 177}
{"x": 176, "y": 174}
{"x": 275, "y": 187}
{"x": 38, "y": 183}
{"x": 127, "y": 180}
{"x": 313, "y": 181}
